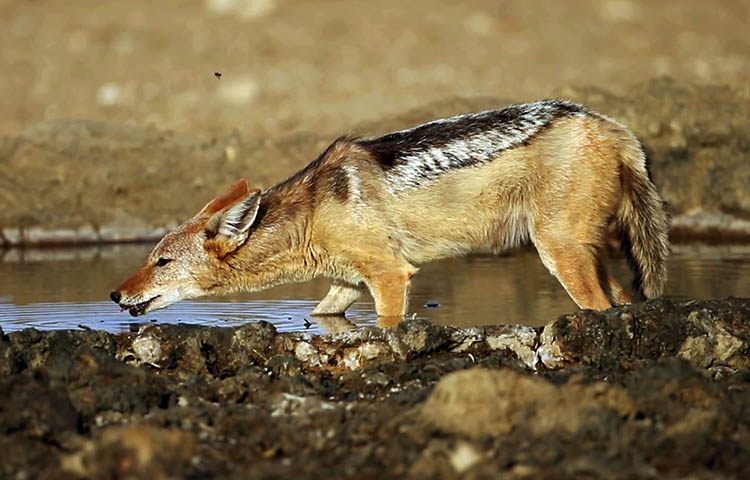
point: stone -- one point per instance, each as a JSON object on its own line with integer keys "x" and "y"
{"x": 479, "y": 402}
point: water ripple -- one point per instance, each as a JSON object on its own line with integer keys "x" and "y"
{"x": 286, "y": 315}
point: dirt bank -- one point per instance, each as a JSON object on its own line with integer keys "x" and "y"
{"x": 74, "y": 181}
{"x": 657, "y": 390}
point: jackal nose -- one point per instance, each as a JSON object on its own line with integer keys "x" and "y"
{"x": 115, "y": 296}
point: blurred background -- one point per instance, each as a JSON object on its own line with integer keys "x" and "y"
{"x": 323, "y": 66}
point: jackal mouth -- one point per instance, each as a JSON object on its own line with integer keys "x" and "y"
{"x": 138, "y": 308}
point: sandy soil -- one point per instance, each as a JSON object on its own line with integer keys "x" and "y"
{"x": 114, "y": 126}
{"x": 72, "y": 181}
{"x": 323, "y": 66}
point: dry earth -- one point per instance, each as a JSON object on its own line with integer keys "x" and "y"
{"x": 326, "y": 65}
{"x": 71, "y": 181}
{"x": 114, "y": 125}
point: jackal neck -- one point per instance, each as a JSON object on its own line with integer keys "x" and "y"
{"x": 278, "y": 244}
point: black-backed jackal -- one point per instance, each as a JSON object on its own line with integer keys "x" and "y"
{"x": 368, "y": 212}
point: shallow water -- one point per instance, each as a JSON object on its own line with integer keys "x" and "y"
{"x": 68, "y": 288}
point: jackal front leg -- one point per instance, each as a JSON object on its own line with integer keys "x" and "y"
{"x": 390, "y": 291}
{"x": 339, "y": 298}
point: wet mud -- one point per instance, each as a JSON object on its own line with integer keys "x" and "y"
{"x": 653, "y": 390}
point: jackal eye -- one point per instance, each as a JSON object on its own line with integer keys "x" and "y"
{"x": 163, "y": 261}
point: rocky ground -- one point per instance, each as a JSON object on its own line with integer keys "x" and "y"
{"x": 653, "y": 390}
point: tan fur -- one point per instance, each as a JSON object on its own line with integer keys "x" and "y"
{"x": 560, "y": 191}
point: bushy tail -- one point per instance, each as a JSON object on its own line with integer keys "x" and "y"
{"x": 644, "y": 222}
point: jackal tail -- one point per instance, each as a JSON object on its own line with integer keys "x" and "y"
{"x": 643, "y": 221}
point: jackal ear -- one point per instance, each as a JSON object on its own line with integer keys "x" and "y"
{"x": 235, "y": 220}
{"x": 231, "y": 195}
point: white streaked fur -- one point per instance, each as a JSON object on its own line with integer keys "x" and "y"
{"x": 477, "y": 148}
{"x": 355, "y": 184}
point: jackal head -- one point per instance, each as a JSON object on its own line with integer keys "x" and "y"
{"x": 188, "y": 262}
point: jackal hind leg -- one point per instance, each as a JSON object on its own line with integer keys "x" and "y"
{"x": 616, "y": 294}
{"x": 339, "y": 298}
{"x": 576, "y": 266}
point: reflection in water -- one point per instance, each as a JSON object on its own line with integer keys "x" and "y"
{"x": 334, "y": 323}
{"x": 65, "y": 288}
{"x": 286, "y": 315}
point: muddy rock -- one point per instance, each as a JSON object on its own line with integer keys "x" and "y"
{"x": 37, "y": 420}
{"x": 10, "y": 361}
{"x": 421, "y": 337}
{"x": 251, "y": 344}
{"x": 132, "y": 452}
{"x": 34, "y": 347}
{"x": 188, "y": 348}
{"x": 37, "y": 405}
{"x": 666, "y": 407}
{"x": 520, "y": 340}
{"x": 481, "y": 402}
{"x": 106, "y": 184}
{"x": 654, "y": 390}
{"x": 709, "y": 334}
{"x": 725, "y": 341}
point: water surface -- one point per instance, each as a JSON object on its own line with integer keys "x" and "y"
{"x": 68, "y": 288}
